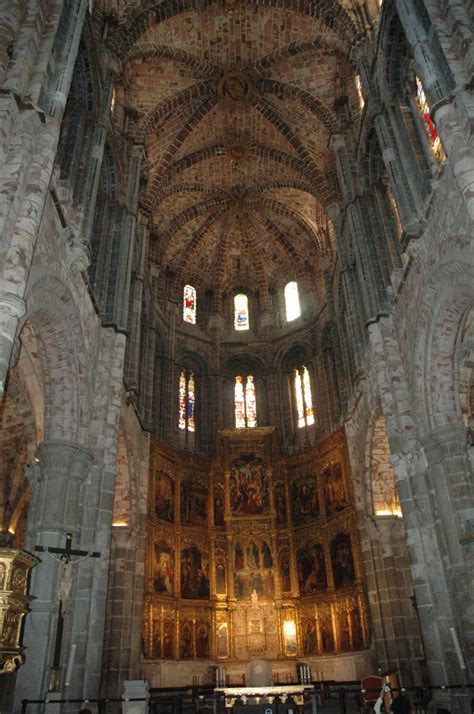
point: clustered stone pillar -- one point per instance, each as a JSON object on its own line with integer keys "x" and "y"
{"x": 431, "y": 482}
{"x": 56, "y": 480}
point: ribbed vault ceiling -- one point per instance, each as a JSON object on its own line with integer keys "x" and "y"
{"x": 235, "y": 102}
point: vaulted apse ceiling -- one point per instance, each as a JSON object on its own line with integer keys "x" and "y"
{"x": 235, "y": 102}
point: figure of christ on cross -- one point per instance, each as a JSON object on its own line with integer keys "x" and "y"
{"x": 64, "y": 593}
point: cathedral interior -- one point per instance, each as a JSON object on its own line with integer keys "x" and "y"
{"x": 237, "y": 340}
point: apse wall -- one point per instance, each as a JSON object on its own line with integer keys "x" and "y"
{"x": 253, "y": 555}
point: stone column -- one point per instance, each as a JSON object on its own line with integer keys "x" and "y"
{"x": 123, "y": 641}
{"x": 421, "y": 493}
{"x": 394, "y": 621}
{"x": 451, "y": 489}
{"x": 56, "y": 480}
{"x": 12, "y": 309}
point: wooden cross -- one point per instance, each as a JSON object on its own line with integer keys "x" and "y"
{"x": 66, "y": 583}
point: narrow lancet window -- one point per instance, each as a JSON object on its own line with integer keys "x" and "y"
{"x": 241, "y": 312}
{"x": 189, "y": 304}
{"x": 303, "y": 398}
{"x": 245, "y": 402}
{"x": 308, "y": 401}
{"x": 187, "y": 401}
{"x": 299, "y": 399}
{"x": 239, "y": 403}
{"x": 429, "y": 128}
{"x": 182, "y": 400}
{"x": 292, "y": 301}
{"x": 250, "y": 402}
{"x": 191, "y": 399}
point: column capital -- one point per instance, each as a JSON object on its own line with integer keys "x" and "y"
{"x": 64, "y": 457}
{"x": 445, "y": 441}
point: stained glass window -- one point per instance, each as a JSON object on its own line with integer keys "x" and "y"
{"x": 187, "y": 401}
{"x": 429, "y": 127}
{"x": 245, "y": 402}
{"x": 182, "y": 400}
{"x": 292, "y": 301}
{"x": 191, "y": 398}
{"x": 303, "y": 398}
{"x": 241, "y": 312}
{"x": 189, "y": 304}
{"x": 250, "y": 402}
{"x": 308, "y": 401}
{"x": 360, "y": 92}
{"x": 239, "y": 403}
{"x": 299, "y": 399}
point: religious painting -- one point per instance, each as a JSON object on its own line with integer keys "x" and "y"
{"x": 253, "y": 563}
{"x": 285, "y": 571}
{"x": 356, "y": 628}
{"x": 241, "y": 586}
{"x": 326, "y": 632}
{"x": 248, "y": 486}
{"x": 310, "y": 641}
{"x": 343, "y": 631}
{"x": 280, "y": 504}
{"x": 186, "y": 645}
{"x": 194, "y": 573}
{"x": 334, "y": 490}
{"x": 193, "y": 503}
{"x": 202, "y": 640}
{"x": 168, "y": 637}
{"x": 342, "y": 561}
{"x": 218, "y": 506}
{"x": 156, "y": 644}
{"x": 164, "y": 497}
{"x": 222, "y": 647}
{"x": 304, "y": 500}
{"x": 289, "y": 637}
{"x": 238, "y": 557}
{"x": 164, "y": 568}
{"x": 221, "y": 584}
{"x": 311, "y": 568}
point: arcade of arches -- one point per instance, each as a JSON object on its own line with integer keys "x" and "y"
{"x": 236, "y": 337}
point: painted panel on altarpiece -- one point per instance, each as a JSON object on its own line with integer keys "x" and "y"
{"x": 164, "y": 568}
{"x": 304, "y": 500}
{"x": 194, "y": 573}
{"x": 194, "y": 503}
{"x": 342, "y": 560}
{"x": 311, "y": 568}
{"x": 253, "y": 563}
{"x": 164, "y": 497}
{"x": 334, "y": 489}
{"x": 248, "y": 486}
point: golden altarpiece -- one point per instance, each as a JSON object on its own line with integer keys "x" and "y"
{"x": 253, "y": 555}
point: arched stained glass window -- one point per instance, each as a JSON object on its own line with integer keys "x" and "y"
{"x": 182, "y": 400}
{"x": 308, "y": 400}
{"x": 241, "y": 312}
{"x": 299, "y": 399}
{"x": 292, "y": 301}
{"x": 191, "y": 399}
{"x": 189, "y": 304}
{"x": 245, "y": 402}
{"x": 239, "y": 403}
{"x": 187, "y": 401}
{"x": 304, "y": 400}
{"x": 429, "y": 127}
{"x": 250, "y": 402}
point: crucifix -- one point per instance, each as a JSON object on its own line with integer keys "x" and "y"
{"x": 65, "y": 586}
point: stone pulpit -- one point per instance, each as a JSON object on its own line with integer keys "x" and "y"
{"x": 14, "y": 600}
